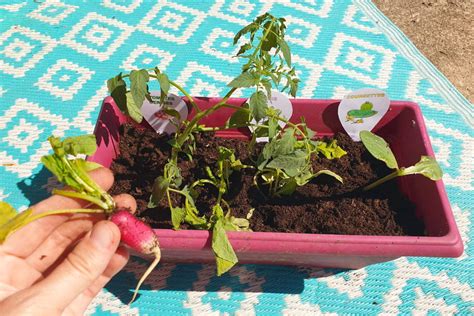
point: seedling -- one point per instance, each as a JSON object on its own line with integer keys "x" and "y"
{"x": 379, "y": 148}
{"x": 285, "y": 162}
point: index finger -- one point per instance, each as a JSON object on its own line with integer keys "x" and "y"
{"x": 24, "y": 241}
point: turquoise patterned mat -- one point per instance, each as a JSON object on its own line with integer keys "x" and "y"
{"x": 56, "y": 56}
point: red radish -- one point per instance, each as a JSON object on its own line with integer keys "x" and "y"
{"x": 140, "y": 237}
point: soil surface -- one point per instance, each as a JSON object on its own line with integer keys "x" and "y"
{"x": 323, "y": 206}
{"x": 443, "y": 31}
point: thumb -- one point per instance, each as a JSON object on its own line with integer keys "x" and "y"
{"x": 82, "y": 266}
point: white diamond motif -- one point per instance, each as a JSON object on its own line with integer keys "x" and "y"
{"x": 242, "y": 7}
{"x": 127, "y": 8}
{"x": 164, "y": 57}
{"x": 297, "y": 27}
{"x": 52, "y": 7}
{"x": 16, "y": 139}
{"x": 359, "y": 59}
{"x": 308, "y": 6}
{"x": 239, "y": 11}
{"x": 413, "y": 93}
{"x": 209, "y": 46}
{"x": 379, "y": 79}
{"x": 173, "y": 21}
{"x": 47, "y": 45}
{"x": 193, "y": 69}
{"x": 45, "y": 82}
{"x": 83, "y": 47}
{"x": 25, "y": 169}
{"x": 349, "y": 21}
{"x": 17, "y": 49}
{"x": 98, "y": 35}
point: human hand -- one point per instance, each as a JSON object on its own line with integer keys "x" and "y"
{"x": 58, "y": 264}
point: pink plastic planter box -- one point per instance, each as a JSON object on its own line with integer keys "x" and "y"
{"x": 402, "y": 127}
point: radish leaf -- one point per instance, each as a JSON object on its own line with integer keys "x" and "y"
{"x": 7, "y": 212}
{"x": 13, "y": 223}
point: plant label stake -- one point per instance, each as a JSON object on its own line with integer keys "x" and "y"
{"x": 164, "y": 118}
{"x": 361, "y": 110}
{"x": 280, "y": 102}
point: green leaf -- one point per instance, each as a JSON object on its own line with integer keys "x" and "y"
{"x": 245, "y": 47}
{"x": 86, "y": 165}
{"x": 258, "y": 105}
{"x": 225, "y": 255}
{"x": 160, "y": 186}
{"x": 57, "y": 167}
{"x": 288, "y": 188}
{"x": 331, "y": 150}
{"x": 245, "y": 80}
{"x": 7, "y": 212}
{"x": 115, "y": 82}
{"x": 236, "y": 224}
{"x": 83, "y": 144}
{"x": 164, "y": 82}
{"x": 291, "y": 164}
{"x": 272, "y": 127}
{"x": 18, "y": 221}
{"x": 225, "y": 153}
{"x": 172, "y": 112}
{"x": 132, "y": 110}
{"x": 286, "y": 144}
{"x": 268, "y": 86}
{"x": 285, "y": 49}
{"x": 118, "y": 89}
{"x": 196, "y": 221}
{"x": 294, "y": 87}
{"x": 427, "y": 166}
{"x": 379, "y": 148}
{"x": 138, "y": 86}
{"x": 252, "y": 27}
{"x": 329, "y": 173}
{"x": 271, "y": 39}
{"x": 240, "y": 117}
{"x": 304, "y": 176}
{"x": 177, "y": 216}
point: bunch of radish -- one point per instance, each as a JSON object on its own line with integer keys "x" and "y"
{"x": 71, "y": 170}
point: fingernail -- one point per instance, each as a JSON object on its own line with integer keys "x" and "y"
{"x": 101, "y": 236}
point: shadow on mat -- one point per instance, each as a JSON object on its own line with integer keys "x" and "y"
{"x": 34, "y": 187}
{"x": 247, "y": 278}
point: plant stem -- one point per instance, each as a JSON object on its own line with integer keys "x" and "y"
{"x": 223, "y": 128}
{"x": 190, "y": 98}
{"x": 82, "y": 196}
{"x": 265, "y": 34}
{"x": 59, "y": 212}
{"x": 88, "y": 184}
{"x": 388, "y": 177}
{"x": 169, "y": 199}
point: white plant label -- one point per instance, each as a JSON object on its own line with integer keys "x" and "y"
{"x": 361, "y": 110}
{"x": 161, "y": 121}
{"x": 280, "y": 102}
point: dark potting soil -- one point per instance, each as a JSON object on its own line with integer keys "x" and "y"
{"x": 323, "y": 206}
